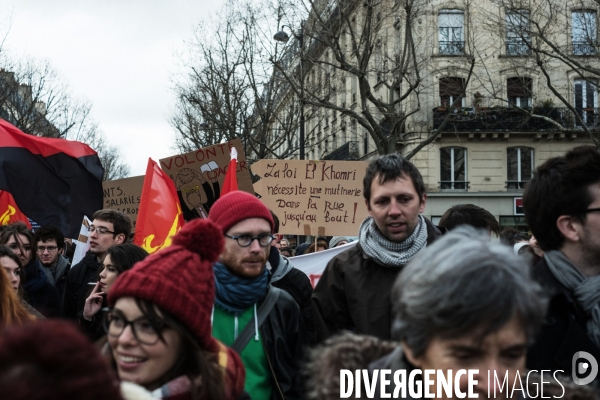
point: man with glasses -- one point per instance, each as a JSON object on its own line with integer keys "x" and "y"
{"x": 247, "y": 306}
{"x": 562, "y": 209}
{"x": 109, "y": 228}
{"x": 50, "y": 250}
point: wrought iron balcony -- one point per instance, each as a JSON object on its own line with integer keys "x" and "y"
{"x": 347, "y": 151}
{"x": 452, "y": 47}
{"x": 517, "y": 48}
{"x": 512, "y": 119}
{"x": 515, "y": 185}
{"x": 454, "y": 185}
{"x": 584, "y": 48}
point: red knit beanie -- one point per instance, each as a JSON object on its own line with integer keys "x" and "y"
{"x": 52, "y": 360}
{"x": 237, "y": 206}
{"x": 179, "y": 279}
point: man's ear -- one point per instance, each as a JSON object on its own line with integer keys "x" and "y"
{"x": 569, "y": 227}
{"x": 368, "y": 206}
{"x": 61, "y": 250}
{"x": 410, "y": 356}
{"x": 423, "y": 203}
{"x": 120, "y": 238}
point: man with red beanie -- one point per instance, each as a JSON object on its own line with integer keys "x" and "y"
{"x": 261, "y": 322}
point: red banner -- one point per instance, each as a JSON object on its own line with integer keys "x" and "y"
{"x": 9, "y": 212}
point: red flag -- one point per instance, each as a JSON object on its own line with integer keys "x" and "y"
{"x": 54, "y": 181}
{"x": 9, "y": 212}
{"x": 230, "y": 183}
{"x": 160, "y": 216}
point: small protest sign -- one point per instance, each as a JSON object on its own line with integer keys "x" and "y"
{"x": 322, "y": 198}
{"x": 199, "y": 176}
{"x": 124, "y": 195}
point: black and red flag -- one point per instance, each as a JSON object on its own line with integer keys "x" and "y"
{"x": 53, "y": 181}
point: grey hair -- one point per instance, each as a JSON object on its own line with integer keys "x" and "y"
{"x": 463, "y": 284}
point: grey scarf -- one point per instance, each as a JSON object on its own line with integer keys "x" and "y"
{"x": 586, "y": 290}
{"x": 386, "y": 252}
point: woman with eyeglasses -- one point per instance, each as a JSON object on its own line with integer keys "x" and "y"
{"x": 37, "y": 290}
{"x": 119, "y": 259}
{"x": 159, "y": 327}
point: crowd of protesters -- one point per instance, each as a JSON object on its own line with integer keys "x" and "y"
{"x": 222, "y": 313}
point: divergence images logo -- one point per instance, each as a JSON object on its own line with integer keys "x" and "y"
{"x": 580, "y": 367}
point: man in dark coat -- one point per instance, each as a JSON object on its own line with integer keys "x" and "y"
{"x": 109, "y": 227}
{"x": 562, "y": 208}
{"x": 50, "y": 250}
{"x": 354, "y": 290}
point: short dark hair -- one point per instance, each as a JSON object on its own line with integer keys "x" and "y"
{"x": 390, "y": 167}
{"x": 469, "y": 214}
{"x": 124, "y": 255}
{"x": 276, "y": 221}
{"x": 560, "y": 187}
{"x": 46, "y": 233}
{"x": 511, "y": 236}
{"x": 121, "y": 222}
{"x": 14, "y": 230}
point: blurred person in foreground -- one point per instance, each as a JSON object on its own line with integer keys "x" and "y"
{"x": 562, "y": 208}
{"x": 470, "y": 214}
{"x": 463, "y": 303}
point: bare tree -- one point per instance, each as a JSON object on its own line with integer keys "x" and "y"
{"x": 229, "y": 88}
{"x": 35, "y": 100}
{"x": 557, "y": 44}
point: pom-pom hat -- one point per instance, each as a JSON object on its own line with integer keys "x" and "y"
{"x": 237, "y": 206}
{"x": 179, "y": 279}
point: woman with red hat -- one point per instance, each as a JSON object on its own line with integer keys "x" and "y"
{"x": 159, "y": 329}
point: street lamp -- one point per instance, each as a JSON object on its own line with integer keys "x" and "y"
{"x": 283, "y": 37}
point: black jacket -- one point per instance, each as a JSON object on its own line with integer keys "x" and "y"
{"x": 354, "y": 293}
{"x": 39, "y": 292}
{"x": 77, "y": 288}
{"x": 296, "y": 283}
{"x": 564, "y": 329}
{"x": 284, "y": 341}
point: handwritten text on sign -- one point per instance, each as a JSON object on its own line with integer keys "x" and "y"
{"x": 313, "y": 197}
{"x": 124, "y": 195}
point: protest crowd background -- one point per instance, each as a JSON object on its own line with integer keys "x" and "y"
{"x": 211, "y": 296}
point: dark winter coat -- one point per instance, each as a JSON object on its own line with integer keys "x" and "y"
{"x": 62, "y": 268}
{"x": 564, "y": 329}
{"x": 39, "y": 292}
{"x": 354, "y": 293}
{"x": 285, "y": 340}
{"x": 77, "y": 288}
{"x": 296, "y": 283}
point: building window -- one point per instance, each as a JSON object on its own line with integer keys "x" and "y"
{"x": 519, "y": 92}
{"x": 451, "y": 36}
{"x": 586, "y": 102}
{"x": 452, "y": 92}
{"x": 517, "y": 33}
{"x": 519, "y": 166}
{"x": 453, "y": 168}
{"x": 584, "y": 33}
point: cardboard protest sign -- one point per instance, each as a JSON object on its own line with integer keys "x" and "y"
{"x": 124, "y": 195}
{"x": 322, "y": 198}
{"x": 199, "y": 176}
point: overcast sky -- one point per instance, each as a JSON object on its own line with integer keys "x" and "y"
{"x": 119, "y": 54}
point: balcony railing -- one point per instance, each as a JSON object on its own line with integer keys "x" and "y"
{"x": 454, "y": 185}
{"x": 517, "y": 49}
{"x": 512, "y": 119}
{"x": 347, "y": 151}
{"x": 452, "y": 47}
{"x": 515, "y": 185}
{"x": 584, "y": 49}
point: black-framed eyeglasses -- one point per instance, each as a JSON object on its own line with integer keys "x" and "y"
{"x": 246, "y": 240}
{"x": 589, "y": 210}
{"x": 101, "y": 229}
{"x": 51, "y": 249}
{"x": 144, "y": 332}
